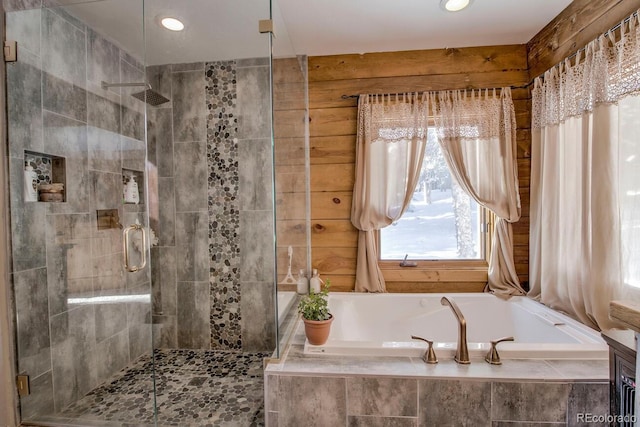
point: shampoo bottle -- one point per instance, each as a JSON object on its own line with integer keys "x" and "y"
{"x": 30, "y": 183}
{"x": 314, "y": 283}
{"x": 302, "y": 284}
{"x": 131, "y": 191}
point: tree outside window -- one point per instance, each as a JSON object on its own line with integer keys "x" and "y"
{"x": 441, "y": 223}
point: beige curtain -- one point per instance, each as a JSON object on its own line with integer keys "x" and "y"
{"x": 392, "y": 135}
{"x": 574, "y": 248}
{"x": 477, "y": 133}
{"x": 583, "y": 178}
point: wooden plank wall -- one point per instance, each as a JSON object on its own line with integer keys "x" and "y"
{"x": 333, "y": 123}
{"x": 333, "y": 133}
{"x": 581, "y": 22}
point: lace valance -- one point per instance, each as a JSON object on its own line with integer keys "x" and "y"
{"x": 460, "y": 113}
{"x": 394, "y": 117}
{"x": 473, "y": 114}
{"x": 604, "y": 72}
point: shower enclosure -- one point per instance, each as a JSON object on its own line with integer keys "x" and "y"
{"x": 145, "y": 291}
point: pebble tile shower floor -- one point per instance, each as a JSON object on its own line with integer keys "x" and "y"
{"x": 193, "y": 388}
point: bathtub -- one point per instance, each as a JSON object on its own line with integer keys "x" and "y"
{"x": 285, "y": 299}
{"x": 382, "y": 325}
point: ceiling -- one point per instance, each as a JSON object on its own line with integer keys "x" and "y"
{"x": 329, "y": 27}
{"x": 228, "y": 29}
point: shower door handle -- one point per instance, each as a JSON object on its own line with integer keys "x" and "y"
{"x": 125, "y": 247}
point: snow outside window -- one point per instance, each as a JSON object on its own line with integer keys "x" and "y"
{"x": 441, "y": 223}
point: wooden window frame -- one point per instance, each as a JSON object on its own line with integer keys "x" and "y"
{"x": 441, "y": 275}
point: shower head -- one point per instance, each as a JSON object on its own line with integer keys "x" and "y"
{"x": 148, "y": 95}
{"x": 151, "y": 97}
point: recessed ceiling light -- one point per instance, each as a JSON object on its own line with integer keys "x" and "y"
{"x": 172, "y": 24}
{"x": 454, "y": 5}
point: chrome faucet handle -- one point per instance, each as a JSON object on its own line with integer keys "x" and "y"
{"x": 429, "y": 355}
{"x": 492, "y": 356}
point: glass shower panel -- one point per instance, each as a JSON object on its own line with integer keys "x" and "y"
{"x": 292, "y": 179}
{"x": 76, "y": 136}
{"x": 211, "y": 207}
{"x": 166, "y": 136}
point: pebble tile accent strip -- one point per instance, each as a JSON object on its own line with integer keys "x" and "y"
{"x": 42, "y": 167}
{"x": 224, "y": 206}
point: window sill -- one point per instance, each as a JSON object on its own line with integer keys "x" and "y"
{"x": 436, "y": 271}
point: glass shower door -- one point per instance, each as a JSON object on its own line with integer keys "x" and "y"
{"x": 76, "y": 136}
{"x": 144, "y": 271}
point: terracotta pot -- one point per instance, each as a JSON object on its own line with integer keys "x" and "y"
{"x": 317, "y": 331}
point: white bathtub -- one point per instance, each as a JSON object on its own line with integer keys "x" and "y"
{"x": 382, "y": 324}
{"x": 286, "y": 299}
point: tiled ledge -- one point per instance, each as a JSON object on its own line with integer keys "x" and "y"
{"x": 294, "y": 361}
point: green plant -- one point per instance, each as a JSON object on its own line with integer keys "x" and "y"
{"x": 315, "y": 305}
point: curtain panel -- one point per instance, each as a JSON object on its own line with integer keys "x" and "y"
{"x": 476, "y": 131}
{"x": 392, "y": 136}
{"x": 584, "y": 177}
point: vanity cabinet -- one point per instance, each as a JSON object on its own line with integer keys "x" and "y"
{"x": 622, "y": 373}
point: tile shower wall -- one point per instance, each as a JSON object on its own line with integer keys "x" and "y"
{"x": 80, "y": 319}
{"x": 178, "y": 186}
{"x": 255, "y": 163}
{"x": 214, "y": 213}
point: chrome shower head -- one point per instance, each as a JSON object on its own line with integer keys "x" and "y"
{"x": 151, "y": 97}
{"x": 148, "y": 95}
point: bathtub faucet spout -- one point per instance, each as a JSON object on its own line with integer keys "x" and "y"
{"x": 462, "y": 352}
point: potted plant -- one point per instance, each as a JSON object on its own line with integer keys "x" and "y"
{"x": 315, "y": 313}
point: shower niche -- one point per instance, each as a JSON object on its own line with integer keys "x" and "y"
{"x": 46, "y": 174}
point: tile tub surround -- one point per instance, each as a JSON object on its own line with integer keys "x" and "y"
{"x": 385, "y": 391}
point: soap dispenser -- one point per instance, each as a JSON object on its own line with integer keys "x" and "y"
{"x": 131, "y": 191}
{"x": 302, "y": 283}
{"x": 314, "y": 283}
{"x": 30, "y": 183}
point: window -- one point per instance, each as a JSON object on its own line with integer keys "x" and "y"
{"x": 441, "y": 223}
{"x": 629, "y": 190}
